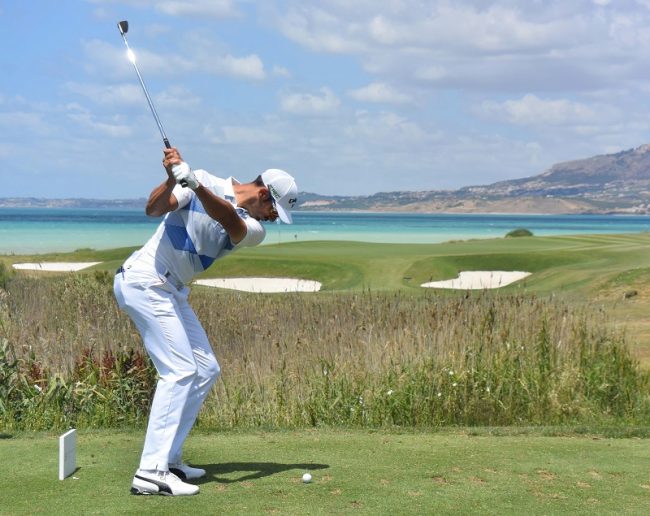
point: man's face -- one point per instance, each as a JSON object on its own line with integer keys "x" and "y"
{"x": 264, "y": 209}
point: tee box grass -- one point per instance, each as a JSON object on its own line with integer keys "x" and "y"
{"x": 354, "y": 472}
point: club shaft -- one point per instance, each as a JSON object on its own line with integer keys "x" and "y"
{"x": 151, "y": 106}
{"x": 123, "y": 27}
{"x": 146, "y": 94}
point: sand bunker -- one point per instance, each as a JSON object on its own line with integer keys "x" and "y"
{"x": 268, "y": 285}
{"x": 479, "y": 280}
{"x": 54, "y": 266}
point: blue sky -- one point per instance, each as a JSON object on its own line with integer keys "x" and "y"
{"x": 351, "y": 97}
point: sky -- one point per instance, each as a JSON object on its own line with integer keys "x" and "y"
{"x": 352, "y": 97}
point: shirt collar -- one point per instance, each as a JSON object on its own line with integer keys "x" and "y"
{"x": 229, "y": 191}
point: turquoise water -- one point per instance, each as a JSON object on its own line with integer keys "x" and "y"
{"x": 39, "y": 230}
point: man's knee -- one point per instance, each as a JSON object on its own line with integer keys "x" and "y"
{"x": 212, "y": 371}
{"x": 186, "y": 374}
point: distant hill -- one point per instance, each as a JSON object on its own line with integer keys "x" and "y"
{"x": 610, "y": 183}
{"x": 39, "y": 202}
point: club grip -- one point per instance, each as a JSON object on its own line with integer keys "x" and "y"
{"x": 168, "y": 145}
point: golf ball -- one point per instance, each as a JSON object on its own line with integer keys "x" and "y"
{"x": 306, "y": 478}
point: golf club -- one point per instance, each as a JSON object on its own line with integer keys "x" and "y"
{"x": 123, "y": 26}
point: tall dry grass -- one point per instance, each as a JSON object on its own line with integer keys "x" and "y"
{"x": 368, "y": 359}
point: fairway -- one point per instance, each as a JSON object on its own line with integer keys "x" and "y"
{"x": 354, "y": 472}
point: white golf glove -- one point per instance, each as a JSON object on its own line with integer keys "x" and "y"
{"x": 183, "y": 174}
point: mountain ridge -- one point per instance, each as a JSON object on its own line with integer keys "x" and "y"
{"x": 608, "y": 183}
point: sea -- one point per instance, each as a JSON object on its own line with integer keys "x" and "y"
{"x": 42, "y": 230}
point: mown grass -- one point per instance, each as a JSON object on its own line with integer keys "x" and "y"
{"x": 559, "y": 263}
{"x": 354, "y": 471}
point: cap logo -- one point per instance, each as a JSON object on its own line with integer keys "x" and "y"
{"x": 292, "y": 201}
{"x": 274, "y": 192}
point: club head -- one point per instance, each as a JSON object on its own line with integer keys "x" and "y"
{"x": 123, "y": 26}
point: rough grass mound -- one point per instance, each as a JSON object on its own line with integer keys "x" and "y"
{"x": 70, "y": 357}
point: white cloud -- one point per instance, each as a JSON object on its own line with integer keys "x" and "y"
{"x": 320, "y": 30}
{"x": 477, "y": 45}
{"x": 175, "y": 96}
{"x": 461, "y": 25}
{"x": 104, "y": 59}
{"x": 248, "y": 135}
{"x": 311, "y": 104}
{"x": 207, "y": 8}
{"x": 388, "y": 130}
{"x": 248, "y": 67}
{"x": 86, "y": 119}
{"x": 116, "y": 94}
{"x": 178, "y": 97}
{"x": 430, "y": 73}
{"x": 13, "y": 122}
{"x": 210, "y": 8}
{"x": 379, "y": 92}
{"x": 281, "y": 71}
{"x": 533, "y": 111}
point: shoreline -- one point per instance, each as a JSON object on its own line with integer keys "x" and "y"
{"x": 136, "y": 205}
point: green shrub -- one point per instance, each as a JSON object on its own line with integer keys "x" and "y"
{"x": 114, "y": 391}
{"x": 519, "y": 232}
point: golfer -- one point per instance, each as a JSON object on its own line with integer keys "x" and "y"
{"x": 203, "y": 222}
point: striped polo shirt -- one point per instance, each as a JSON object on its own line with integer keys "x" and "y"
{"x": 188, "y": 240}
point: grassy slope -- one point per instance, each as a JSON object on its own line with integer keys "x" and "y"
{"x": 600, "y": 268}
{"x": 357, "y": 472}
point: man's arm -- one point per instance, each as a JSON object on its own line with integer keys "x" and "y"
{"x": 223, "y": 212}
{"x": 161, "y": 200}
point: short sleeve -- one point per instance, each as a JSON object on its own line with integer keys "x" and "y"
{"x": 184, "y": 194}
{"x": 255, "y": 233}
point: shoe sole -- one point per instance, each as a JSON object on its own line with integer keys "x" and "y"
{"x": 142, "y": 492}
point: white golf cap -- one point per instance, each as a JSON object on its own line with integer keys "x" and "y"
{"x": 283, "y": 190}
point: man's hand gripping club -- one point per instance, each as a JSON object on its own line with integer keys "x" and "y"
{"x": 178, "y": 170}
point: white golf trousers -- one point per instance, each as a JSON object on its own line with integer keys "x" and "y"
{"x": 182, "y": 355}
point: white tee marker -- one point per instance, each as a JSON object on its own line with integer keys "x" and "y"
{"x": 67, "y": 454}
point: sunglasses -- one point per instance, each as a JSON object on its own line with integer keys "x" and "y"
{"x": 274, "y": 205}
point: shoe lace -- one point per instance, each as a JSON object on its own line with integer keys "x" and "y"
{"x": 166, "y": 476}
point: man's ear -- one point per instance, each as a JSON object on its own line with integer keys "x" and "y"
{"x": 263, "y": 193}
